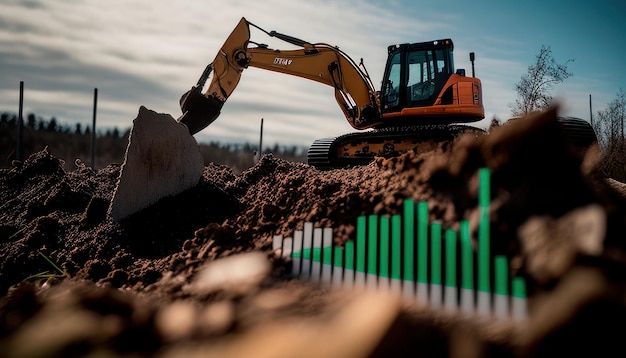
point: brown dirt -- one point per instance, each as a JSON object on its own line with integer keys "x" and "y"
{"x": 135, "y": 287}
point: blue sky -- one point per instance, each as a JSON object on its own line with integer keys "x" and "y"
{"x": 140, "y": 52}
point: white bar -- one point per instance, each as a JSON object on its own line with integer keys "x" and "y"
{"x": 297, "y": 247}
{"x": 450, "y": 298}
{"x": 436, "y": 296}
{"x": 308, "y": 235}
{"x": 422, "y": 292}
{"x": 326, "y": 278}
{"x": 316, "y": 271}
{"x": 277, "y": 242}
{"x": 287, "y": 247}
{"x": 408, "y": 290}
{"x": 359, "y": 279}
{"x": 317, "y": 237}
{"x": 484, "y": 303}
{"x": 501, "y": 306}
{"x": 519, "y": 308}
{"x": 307, "y": 244}
{"x": 338, "y": 277}
{"x": 395, "y": 286}
{"x": 348, "y": 278}
{"x": 327, "y": 241}
{"x": 371, "y": 282}
{"x": 327, "y": 236}
{"x": 384, "y": 283}
{"x": 316, "y": 268}
{"x": 467, "y": 301}
{"x": 306, "y": 269}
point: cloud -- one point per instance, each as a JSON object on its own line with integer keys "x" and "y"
{"x": 141, "y": 52}
{"x": 149, "y": 53}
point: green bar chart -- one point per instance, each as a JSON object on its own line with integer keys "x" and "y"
{"x": 412, "y": 256}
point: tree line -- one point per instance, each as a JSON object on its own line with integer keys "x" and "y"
{"x": 73, "y": 142}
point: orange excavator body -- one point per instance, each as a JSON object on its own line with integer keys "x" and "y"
{"x": 420, "y": 89}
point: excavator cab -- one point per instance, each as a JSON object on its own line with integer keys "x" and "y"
{"x": 421, "y": 85}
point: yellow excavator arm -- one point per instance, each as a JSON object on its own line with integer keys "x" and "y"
{"x": 322, "y": 63}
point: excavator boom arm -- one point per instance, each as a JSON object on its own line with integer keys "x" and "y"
{"x": 322, "y": 63}
{"x": 328, "y": 65}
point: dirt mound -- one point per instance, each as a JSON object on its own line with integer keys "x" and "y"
{"x": 141, "y": 286}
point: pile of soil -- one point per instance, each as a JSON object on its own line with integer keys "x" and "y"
{"x": 195, "y": 274}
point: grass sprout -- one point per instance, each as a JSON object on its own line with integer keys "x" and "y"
{"x": 46, "y": 275}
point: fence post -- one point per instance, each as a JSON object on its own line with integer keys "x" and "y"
{"x": 260, "y": 151}
{"x": 93, "y": 131}
{"x": 20, "y": 125}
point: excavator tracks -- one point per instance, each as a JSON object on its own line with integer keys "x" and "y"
{"x": 579, "y": 131}
{"x": 361, "y": 148}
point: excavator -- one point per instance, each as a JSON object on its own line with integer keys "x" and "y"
{"x": 421, "y": 101}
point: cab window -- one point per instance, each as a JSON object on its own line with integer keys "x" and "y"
{"x": 392, "y": 85}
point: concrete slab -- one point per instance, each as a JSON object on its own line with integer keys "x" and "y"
{"x": 162, "y": 159}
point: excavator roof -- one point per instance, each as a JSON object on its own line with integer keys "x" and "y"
{"x": 435, "y": 44}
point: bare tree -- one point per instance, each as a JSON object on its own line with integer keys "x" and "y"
{"x": 609, "y": 127}
{"x": 534, "y": 86}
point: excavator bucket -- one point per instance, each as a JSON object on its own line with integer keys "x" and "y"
{"x": 198, "y": 110}
{"x": 162, "y": 159}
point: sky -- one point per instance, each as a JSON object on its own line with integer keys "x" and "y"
{"x": 148, "y": 53}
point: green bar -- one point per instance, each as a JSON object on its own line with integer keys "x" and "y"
{"x": 422, "y": 242}
{"x": 316, "y": 254}
{"x": 409, "y": 228}
{"x": 361, "y": 228}
{"x": 502, "y": 274}
{"x": 338, "y": 257}
{"x": 450, "y": 258}
{"x": 322, "y": 254}
{"x": 396, "y": 236}
{"x": 326, "y": 258}
{"x": 384, "y": 246}
{"x": 435, "y": 250}
{"x": 467, "y": 256}
{"x": 518, "y": 286}
{"x": 483, "y": 232}
{"x": 485, "y": 187}
{"x": 349, "y": 265}
{"x": 372, "y": 246}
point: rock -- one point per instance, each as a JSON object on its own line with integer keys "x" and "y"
{"x": 162, "y": 159}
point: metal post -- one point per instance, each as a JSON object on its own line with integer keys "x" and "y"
{"x": 590, "y": 112}
{"x": 20, "y": 124}
{"x": 260, "y": 141}
{"x": 93, "y": 129}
